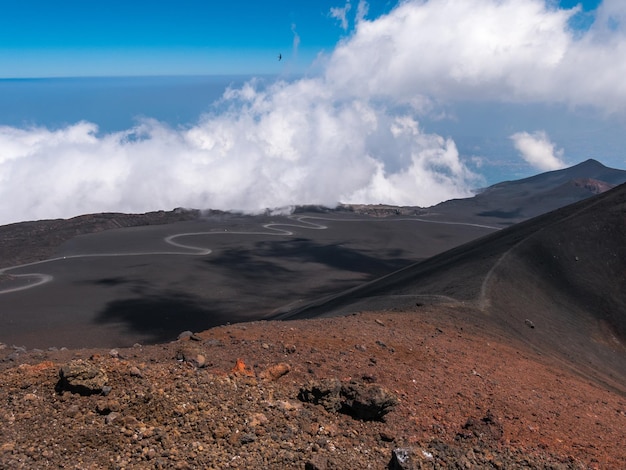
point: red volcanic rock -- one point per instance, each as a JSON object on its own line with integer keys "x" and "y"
{"x": 592, "y": 185}
{"x": 467, "y": 397}
{"x": 275, "y": 372}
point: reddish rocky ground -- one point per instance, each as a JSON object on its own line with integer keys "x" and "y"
{"x": 464, "y": 398}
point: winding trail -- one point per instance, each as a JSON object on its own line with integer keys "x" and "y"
{"x": 37, "y": 279}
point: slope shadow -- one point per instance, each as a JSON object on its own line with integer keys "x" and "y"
{"x": 247, "y": 265}
{"x": 268, "y": 258}
{"x": 247, "y": 284}
{"x": 161, "y": 317}
{"x": 334, "y": 255}
{"x": 502, "y": 214}
{"x": 132, "y": 284}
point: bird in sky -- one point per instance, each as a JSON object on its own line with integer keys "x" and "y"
{"x": 280, "y": 56}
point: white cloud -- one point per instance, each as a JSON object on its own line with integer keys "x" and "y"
{"x": 361, "y": 11}
{"x": 296, "y": 40}
{"x": 291, "y": 143}
{"x": 610, "y": 19}
{"x": 510, "y": 50}
{"x": 341, "y": 14}
{"x": 538, "y": 150}
{"x": 449, "y": 49}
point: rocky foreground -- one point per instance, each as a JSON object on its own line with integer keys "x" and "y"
{"x": 393, "y": 390}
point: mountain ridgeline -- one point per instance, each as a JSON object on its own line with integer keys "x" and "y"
{"x": 511, "y": 202}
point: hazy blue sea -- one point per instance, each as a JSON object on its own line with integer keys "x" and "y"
{"x": 113, "y": 103}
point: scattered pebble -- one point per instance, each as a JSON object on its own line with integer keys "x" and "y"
{"x": 135, "y": 372}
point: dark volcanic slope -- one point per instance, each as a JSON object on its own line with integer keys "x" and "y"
{"x": 514, "y": 201}
{"x": 148, "y": 283}
{"x": 557, "y": 281}
{"x": 115, "y": 279}
{"x": 25, "y": 242}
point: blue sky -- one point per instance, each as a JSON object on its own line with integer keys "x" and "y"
{"x": 402, "y": 102}
{"x": 96, "y": 38}
{"x": 101, "y": 38}
{"x": 586, "y": 5}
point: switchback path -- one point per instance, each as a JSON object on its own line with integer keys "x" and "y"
{"x": 20, "y": 282}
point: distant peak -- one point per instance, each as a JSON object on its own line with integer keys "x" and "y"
{"x": 591, "y": 163}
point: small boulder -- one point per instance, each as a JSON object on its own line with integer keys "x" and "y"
{"x": 241, "y": 369}
{"x": 409, "y": 458}
{"x": 192, "y": 355}
{"x": 81, "y": 377}
{"x": 366, "y": 402}
{"x": 199, "y": 360}
{"x": 185, "y": 335}
{"x": 257, "y": 419}
{"x": 275, "y": 372}
{"x": 487, "y": 428}
{"x": 135, "y": 372}
{"x": 316, "y": 462}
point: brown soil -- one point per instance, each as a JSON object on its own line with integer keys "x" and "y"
{"x": 466, "y": 399}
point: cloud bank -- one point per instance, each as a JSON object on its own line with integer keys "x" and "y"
{"x": 504, "y": 50}
{"x": 349, "y": 134}
{"x": 292, "y": 143}
{"x": 538, "y": 150}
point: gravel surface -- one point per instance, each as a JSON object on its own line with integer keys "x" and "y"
{"x": 427, "y": 388}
